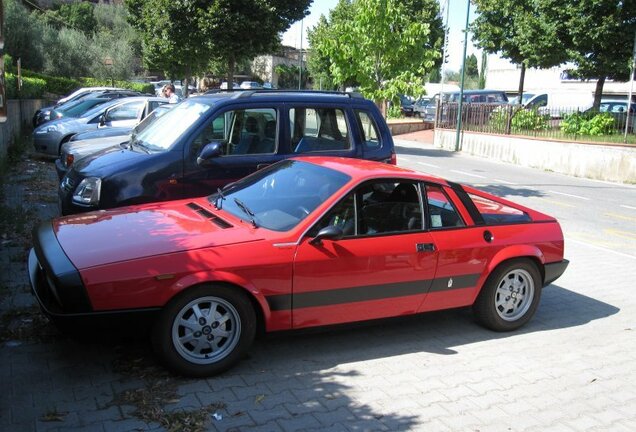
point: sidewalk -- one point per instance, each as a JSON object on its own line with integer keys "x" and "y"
{"x": 573, "y": 368}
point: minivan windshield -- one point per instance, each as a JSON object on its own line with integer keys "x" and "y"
{"x": 167, "y": 129}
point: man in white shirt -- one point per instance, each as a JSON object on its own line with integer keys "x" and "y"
{"x": 171, "y": 95}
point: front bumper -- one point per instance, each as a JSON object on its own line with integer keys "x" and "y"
{"x": 554, "y": 270}
{"x": 60, "y": 291}
{"x": 60, "y": 169}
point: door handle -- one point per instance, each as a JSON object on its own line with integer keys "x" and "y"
{"x": 425, "y": 247}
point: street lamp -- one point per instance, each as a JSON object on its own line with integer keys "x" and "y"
{"x": 109, "y": 63}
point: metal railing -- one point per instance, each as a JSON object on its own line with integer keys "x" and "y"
{"x": 555, "y": 123}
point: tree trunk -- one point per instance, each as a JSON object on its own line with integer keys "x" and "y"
{"x": 598, "y": 93}
{"x": 186, "y": 82}
{"x": 522, "y": 78}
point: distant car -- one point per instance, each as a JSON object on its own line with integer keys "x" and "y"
{"x": 206, "y": 142}
{"x": 406, "y": 106}
{"x": 524, "y": 99}
{"x": 558, "y": 103}
{"x": 478, "y": 104}
{"x": 44, "y": 114}
{"x": 250, "y": 85}
{"x": 225, "y": 87}
{"x": 127, "y": 112}
{"x": 617, "y": 108}
{"x": 419, "y": 106}
{"x": 306, "y": 242}
{"x": 87, "y": 143}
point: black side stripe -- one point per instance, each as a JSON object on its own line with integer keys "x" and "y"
{"x": 370, "y": 292}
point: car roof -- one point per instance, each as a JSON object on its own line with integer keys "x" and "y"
{"x": 362, "y": 169}
{"x": 283, "y": 95}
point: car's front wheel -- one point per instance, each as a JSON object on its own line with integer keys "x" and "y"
{"x": 510, "y": 296}
{"x": 205, "y": 330}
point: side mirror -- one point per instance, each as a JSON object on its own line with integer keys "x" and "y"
{"x": 102, "y": 120}
{"x": 329, "y": 232}
{"x": 209, "y": 151}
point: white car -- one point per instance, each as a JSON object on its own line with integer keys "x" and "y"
{"x": 251, "y": 85}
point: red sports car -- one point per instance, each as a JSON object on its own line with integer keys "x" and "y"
{"x": 306, "y": 242}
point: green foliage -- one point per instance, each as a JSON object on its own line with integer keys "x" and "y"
{"x": 522, "y": 119}
{"x": 586, "y": 124}
{"x": 388, "y": 47}
{"x": 472, "y": 69}
{"x": 140, "y": 87}
{"x": 32, "y": 88}
{"x": 181, "y": 37}
{"x": 288, "y": 76}
{"x": 23, "y": 35}
{"x": 394, "y": 111}
{"x": 77, "y": 16}
{"x": 55, "y": 85}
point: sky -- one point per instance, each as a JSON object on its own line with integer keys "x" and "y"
{"x": 456, "y": 23}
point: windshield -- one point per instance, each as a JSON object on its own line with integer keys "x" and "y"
{"x": 280, "y": 196}
{"x": 150, "y": 119}
{"x": 161, "y": 134}
{"x": 81, "y": 107}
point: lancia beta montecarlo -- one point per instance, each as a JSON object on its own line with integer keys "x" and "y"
{"x": 308, "y": 241}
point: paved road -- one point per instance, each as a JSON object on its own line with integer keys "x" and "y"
{"x": 573, "y": 368}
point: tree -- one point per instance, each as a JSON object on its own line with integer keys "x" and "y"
{"x": 602, "y": 33}
{"x": 387, "y": 46}
{"x": 182, "y": 37}
{"x": 529, "y": 33}
{"x": 238, "y": 30}
{"x": 472, "y": 70}
{"x": 23, "y": 34}
{"x": 319, "y": 61}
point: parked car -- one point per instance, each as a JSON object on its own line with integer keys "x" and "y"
{"x": 211, "y": 140}
{"x": 524, "y": 99}
{"x": 309, "y": 241}
{"x": 44, "y": 114}
{"x": 419, "y": 106}
{"x": 617, "y": 108}
{"x": 250, "y": 85}
{"x": 557, "y": 103}
{"x": 406, "y": 106}
{"x": 483, "y": 101}
{"x": 49, "y": 137}
{"x": 224, "y": 86}
{"x": 80, "y": 106}
{"x": 85, "y": 143}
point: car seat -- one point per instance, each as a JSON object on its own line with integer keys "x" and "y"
{"x": 268, "y": 144}
{"x": 249, "y": 138}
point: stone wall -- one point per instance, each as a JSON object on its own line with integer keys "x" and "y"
{"x": 615, "y": 163}
{"x": 19, "y": 118}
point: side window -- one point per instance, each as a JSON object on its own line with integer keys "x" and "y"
{"x": 248, "y": 131}
{"x": 318, "y": 129}
{"x": 376, "y": 208}
{"x": 604, "y": 107}
{"x": 442, "y": 213}
{"x": 369, "y": 129}
{"x": 128, "y": 111}
{"x": 497, "y": 213}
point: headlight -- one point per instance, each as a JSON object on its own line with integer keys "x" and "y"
{"x": 87, "y": 193}
{"x": 46, "y": 130}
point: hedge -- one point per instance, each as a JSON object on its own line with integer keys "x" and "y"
{"x": 32, "y": 88}
{"x": 34, "y": 85}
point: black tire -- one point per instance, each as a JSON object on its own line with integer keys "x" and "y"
{"x": 510, "y": 296}
{"x": 226, "y": 319}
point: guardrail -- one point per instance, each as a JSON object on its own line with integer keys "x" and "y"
{"x": 567, "y": 124}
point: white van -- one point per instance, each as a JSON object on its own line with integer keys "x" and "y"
{"x": 561, "y": 102}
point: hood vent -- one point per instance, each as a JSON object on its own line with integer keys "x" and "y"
{"x": 209, "y": 215}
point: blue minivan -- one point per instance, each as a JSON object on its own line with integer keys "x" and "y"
{"x": 209, "y": 141}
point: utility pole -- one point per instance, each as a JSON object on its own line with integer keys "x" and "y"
{"x": 300, "y": 56}
{"x": 631, "y": 90}
{"x": 461, "y": 86}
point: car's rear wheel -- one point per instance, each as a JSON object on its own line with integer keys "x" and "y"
{"x": 510, "y": 296}
{"x": 205, "y": 330}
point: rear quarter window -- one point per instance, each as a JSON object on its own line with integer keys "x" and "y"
{"x": 495, "y": 213}
{"x": 369, "y": 130}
